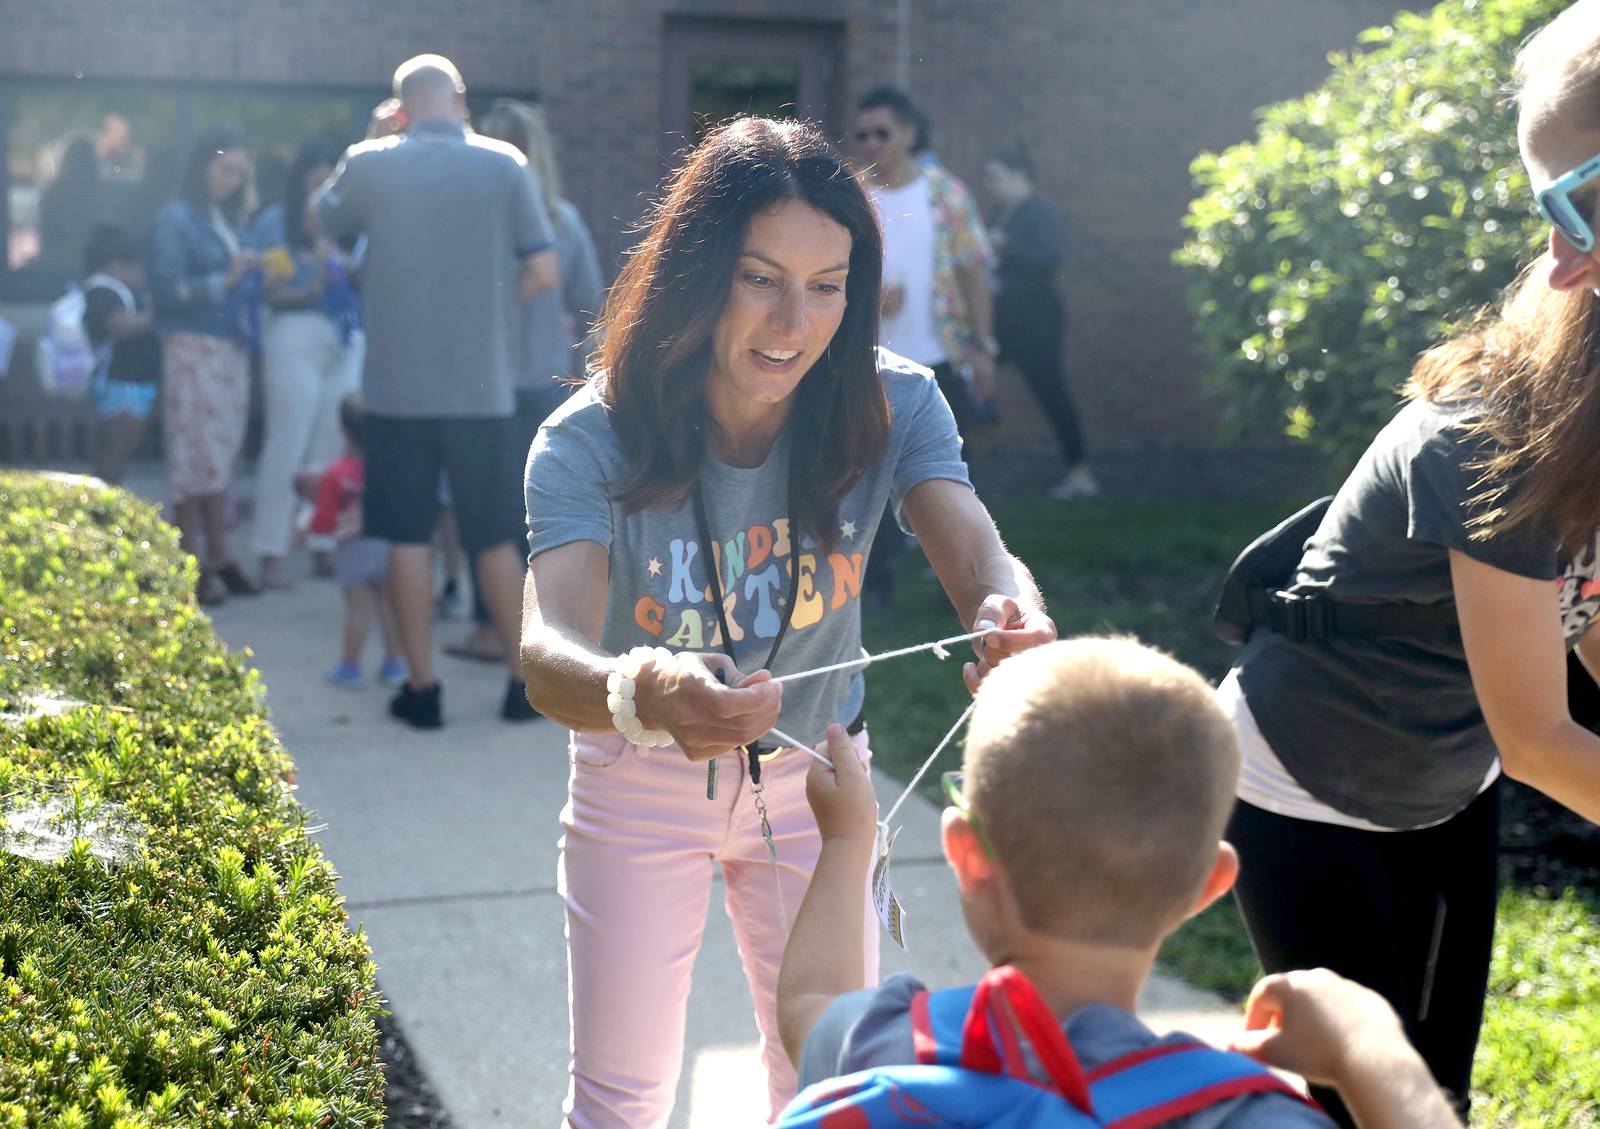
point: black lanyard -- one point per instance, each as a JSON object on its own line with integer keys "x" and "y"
{"x": 714, "y": 567}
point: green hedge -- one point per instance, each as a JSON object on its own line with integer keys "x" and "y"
{"x": 1362, "y": 221}
{"x": 201, "y": 972}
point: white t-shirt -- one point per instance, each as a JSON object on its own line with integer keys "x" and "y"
{"x": 906, "y": 216}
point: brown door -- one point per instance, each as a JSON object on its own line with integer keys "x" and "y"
{"x": 719, "y": 68}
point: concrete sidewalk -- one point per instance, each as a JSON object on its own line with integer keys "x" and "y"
{"x": 446, "y": 844}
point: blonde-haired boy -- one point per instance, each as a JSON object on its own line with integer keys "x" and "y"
{"x": 1087, "y": 825}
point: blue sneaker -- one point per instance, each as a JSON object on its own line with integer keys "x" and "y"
{"x": 346, "y": 674}
{"x": 392, "y": 672}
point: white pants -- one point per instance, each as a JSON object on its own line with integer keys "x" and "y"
{"x": 305, "y": 373}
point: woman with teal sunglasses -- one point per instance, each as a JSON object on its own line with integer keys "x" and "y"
{"x": 1367, "y": 822}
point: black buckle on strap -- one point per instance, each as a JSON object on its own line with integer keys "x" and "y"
{"x": 1303, "y": 617}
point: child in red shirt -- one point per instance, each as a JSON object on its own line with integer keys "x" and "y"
{"x": 360, "y": 564}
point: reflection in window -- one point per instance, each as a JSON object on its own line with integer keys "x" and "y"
{"x": 77, "y": 158}
{"x": 721, "y": 89}
{"x": 276, "y": 125}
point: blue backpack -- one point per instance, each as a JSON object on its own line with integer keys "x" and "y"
{"x": 972, "y": 1071}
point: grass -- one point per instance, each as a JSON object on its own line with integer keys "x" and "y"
{"x": 1151, "y": 568}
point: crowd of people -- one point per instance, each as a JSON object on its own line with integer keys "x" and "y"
{"x": 293, "y": 287}
{"x": 781, "y": 385}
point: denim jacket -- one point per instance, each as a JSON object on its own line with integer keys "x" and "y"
{"x": 188, "y": 271}
{"x": 267, "y": 235}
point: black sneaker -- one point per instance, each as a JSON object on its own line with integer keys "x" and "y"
{"x": 418, "y": 708}
{"x": 516, "y": 707}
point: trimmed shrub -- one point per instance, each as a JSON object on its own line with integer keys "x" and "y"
{"x": 172, "y": 947}
{"x": 1362, "y": 222}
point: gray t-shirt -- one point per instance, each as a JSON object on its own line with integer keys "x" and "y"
{"x": 449, "y": 216}
{"x": 556, "y": 323}
{"x": 659, "y": 591}
{"x": 1389, "y": 729}
{"x": 872, "y": 1028}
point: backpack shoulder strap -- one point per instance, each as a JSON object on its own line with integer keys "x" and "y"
{"x": 1155, "y": 1085}
{"x": 937, "y": 1020}
{"x": 104, "y": 281}
{"x": 991, "y": 1027}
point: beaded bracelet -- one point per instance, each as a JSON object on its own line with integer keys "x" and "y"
{"x": 619, "y": 697}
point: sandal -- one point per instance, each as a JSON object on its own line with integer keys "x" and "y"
{"x": 209, "y": 591}
{"x": 275, "y": 575}
{"x": 466, "y": 650}
{"x": 236, "y": 582}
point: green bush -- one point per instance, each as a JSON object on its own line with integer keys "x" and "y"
{"x": 186, "y": 960}
{"x": 1362, "y": 221}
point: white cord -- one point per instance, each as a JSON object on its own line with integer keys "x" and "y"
{"x": 927, "y": 764}
{"x": 938, "y": 647}
{"x": 790, "y": 742}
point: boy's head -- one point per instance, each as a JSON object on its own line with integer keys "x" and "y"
{"x": 114, "y": 251}
{"x": 1100, "y": 773}
{"x": 351, "y": 419}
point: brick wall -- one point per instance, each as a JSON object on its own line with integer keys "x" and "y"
{"x": 1112, "y": 97}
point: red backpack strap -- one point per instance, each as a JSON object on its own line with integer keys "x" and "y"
{"x": 1155, "y": 1085}
{"x": 1005, "y": 1005}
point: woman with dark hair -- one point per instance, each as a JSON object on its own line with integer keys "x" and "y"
{"x": 699, "y": 516}
{"x": 1030, "y": 322}
{"x": 70, "y": 206}
{"x": 311, "y": 353}
{"x": 197, "y": 258}
{"x": 1420, "y": 650}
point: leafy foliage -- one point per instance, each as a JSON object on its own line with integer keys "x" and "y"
{"x": 209, "y": 979}
{"x": 1362, "y": 222}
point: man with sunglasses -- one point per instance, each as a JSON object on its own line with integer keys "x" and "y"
{"x": 937, "y": 310}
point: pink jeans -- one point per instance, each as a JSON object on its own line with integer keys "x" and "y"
{"x": 636, "y": 868}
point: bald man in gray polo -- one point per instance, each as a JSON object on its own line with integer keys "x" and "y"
{"x": 456, "y": 238}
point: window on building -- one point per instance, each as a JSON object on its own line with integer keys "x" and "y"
{"x": 73, "y": 155}
{"x": 720, "y": 89}
{"x": 718, "y": 68}
{"x": 75, "y": 158}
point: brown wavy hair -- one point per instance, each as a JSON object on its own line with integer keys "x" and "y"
{"x": 671, "y": 293}
{"x": 1531, "y": 370}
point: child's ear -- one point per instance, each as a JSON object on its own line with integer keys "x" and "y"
{"x": 1223, "y": 874}
{"x": 963, "y": 850}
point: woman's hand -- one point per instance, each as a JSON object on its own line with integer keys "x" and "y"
{"x": 707, "y": 705}
{"x": 1020, "y": 628}
{"x": 240, "y": 263}
{"x": 973, "y": 567}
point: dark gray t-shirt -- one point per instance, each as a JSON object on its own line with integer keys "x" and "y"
{"x": 449, "y": 217}
{"x": 1389, "y": 729}
{"x": 659, "y": 592}
{"x": 872, "y": 1028}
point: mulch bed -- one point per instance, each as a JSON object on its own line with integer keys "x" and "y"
{"x": 412, "y": 1102}
{"x": 1545, "y": 846}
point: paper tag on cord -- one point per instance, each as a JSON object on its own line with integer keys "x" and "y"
{"x": 890, "y": 912}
